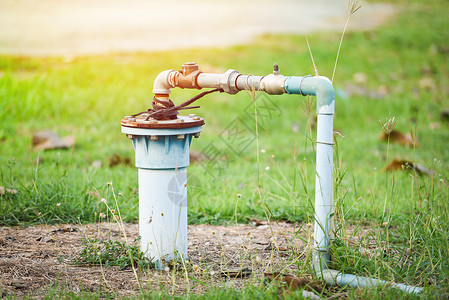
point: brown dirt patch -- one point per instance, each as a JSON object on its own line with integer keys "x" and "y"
{"x": 34, "y": 259}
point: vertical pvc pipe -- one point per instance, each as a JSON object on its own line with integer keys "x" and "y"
{"x": 323, "y": 89}
{"x": 163, "y": 213}
{"x": 323, "y": 181}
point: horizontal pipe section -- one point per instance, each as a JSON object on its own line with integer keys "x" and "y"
{"x": 209, "y": 80}
{"x": 248, "y": 82}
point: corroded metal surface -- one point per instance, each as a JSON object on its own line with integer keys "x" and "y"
{"x": 181, "y": 122}
{"x": 165, "y": 109}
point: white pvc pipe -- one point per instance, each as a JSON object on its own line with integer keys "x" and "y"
{"x": 334, "y": 277}
{"x": 163, "y": 213}
{"x": 323, "y": 182}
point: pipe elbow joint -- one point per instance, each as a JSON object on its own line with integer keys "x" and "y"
{"x": 321, "y": 87}
{"x": 163, "y": 82}
{"x": 325, "y": 95}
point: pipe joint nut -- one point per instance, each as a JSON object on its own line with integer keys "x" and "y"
{"x": 228, "y": 81}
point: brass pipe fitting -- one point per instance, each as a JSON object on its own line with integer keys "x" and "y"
{"x": 187, "y": 76}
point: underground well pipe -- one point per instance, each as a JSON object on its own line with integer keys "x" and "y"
{"x": 232, "y": 82}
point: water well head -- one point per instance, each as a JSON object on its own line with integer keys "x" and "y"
{"x": 162, "y": 156}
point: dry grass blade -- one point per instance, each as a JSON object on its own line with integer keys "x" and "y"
{"x": 307, "y": 106}
{"x": 243, "y": 273}
{"x": 389, "y": 124}
{"x": 311, "y": 56}
{"x": 251, "y": 89}
{"x": 94, "y": 194}
{"x": 353, "y": 7}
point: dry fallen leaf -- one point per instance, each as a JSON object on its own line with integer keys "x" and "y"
{"x": 257, "y": 222}
{"x": 291, "y": 282}
{"x": 46, "y": 140}
{"x": 116, "y": 159}
{"x": 398, "y": 137}
{"x": 4, "y": 190}
{"x": 63, "y": 230}
{"x": 279, "y": 248}
{"x": 402, "y": 164}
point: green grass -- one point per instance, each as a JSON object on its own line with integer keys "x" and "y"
{"x": 87, "y": 97}
{"x": 112, "y": 253}
{"x": 259, "y": 292}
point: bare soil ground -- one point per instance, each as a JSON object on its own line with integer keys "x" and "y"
{"x": 34, "y": 259}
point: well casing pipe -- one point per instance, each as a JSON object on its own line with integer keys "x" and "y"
{"x": 162, "y": 157}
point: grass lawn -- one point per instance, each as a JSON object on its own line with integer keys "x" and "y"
{"x": 400, "y": 70}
